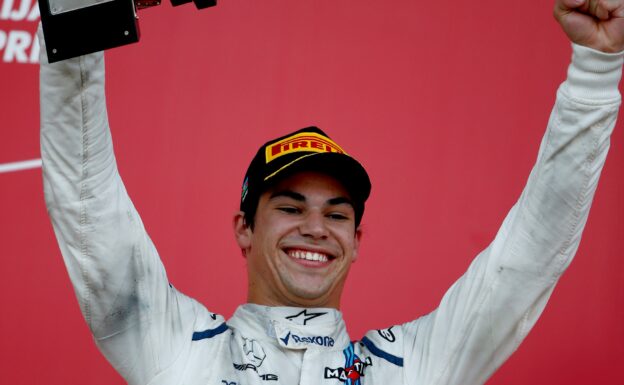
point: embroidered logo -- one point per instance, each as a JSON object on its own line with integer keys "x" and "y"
{"x": 353, "y": 369}
{"x": 387, "y": 334}
{"x": 307, "y": 340}
{"x": 253, "y": 352}
{"x": 285, "y": 339}
{"x": 255, "y": 355}
{"x": 303, "y": 141}
{"x": 303, "y": 317}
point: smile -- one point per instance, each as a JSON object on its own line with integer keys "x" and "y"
{"x": 308, "y": 255}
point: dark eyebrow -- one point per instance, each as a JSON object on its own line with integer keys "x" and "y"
{"x": 301, "y": 198}
{"x": 340, "y": 201}
{"x": 289, "y": 194}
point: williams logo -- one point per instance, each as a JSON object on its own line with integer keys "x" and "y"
{"x": 353, "y": 369}
{"x": 296, "y": 340}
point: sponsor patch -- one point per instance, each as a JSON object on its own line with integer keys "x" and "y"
{"x": 353, "y": 370}
{"x": 296, "y": 341}
{"x": 387, "y": 334}
{"x": 303, "y": 317}
{"x": 303, "y": 141}
{"x": 254, "y": 353}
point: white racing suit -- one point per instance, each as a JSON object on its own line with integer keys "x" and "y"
{"x": 152, "y": 334}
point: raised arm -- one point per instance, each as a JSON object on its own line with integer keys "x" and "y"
{"x": 485, "y": 315}
{"x": 118, "y": 278}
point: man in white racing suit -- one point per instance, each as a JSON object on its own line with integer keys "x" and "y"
{"x": 304, "y": 234}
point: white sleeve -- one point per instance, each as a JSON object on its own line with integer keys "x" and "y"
{"x": 135, "y": 316}
{"x": 487, "y": 313}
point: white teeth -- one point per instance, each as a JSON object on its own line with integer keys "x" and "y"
{"x": 308, "y": 255}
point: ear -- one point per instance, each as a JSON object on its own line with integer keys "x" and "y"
{"x": 242, "y": 232}
{"x": 356, "y": 243}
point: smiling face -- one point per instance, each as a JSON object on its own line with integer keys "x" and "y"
{"x": 303, "y": 242}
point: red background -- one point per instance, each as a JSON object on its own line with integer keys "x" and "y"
{"x": 444, "y": 102}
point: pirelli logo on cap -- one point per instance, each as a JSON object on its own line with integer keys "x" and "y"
{"x": 304, "y": 141}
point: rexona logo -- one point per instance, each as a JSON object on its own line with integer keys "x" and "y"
{"x": 294, "y": 339}
{"x": 16, "y": 44}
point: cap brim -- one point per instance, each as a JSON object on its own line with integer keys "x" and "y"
{"x": 344, "y": 168}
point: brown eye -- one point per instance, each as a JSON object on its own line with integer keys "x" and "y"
{"x": 338, "y": 216}
{"x": 288, "y": 209}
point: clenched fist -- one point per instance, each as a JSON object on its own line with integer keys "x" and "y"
{"x": 598, "y": 24}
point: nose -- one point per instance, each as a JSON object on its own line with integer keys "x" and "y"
{"x": 313, "y": 225}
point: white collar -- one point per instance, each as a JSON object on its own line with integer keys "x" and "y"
{"x": 292, "y": 327}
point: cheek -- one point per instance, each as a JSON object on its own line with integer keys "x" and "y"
{"x": 347, "y": 236}
{"x": 266, "y": 240}
{"x": 276, "y": 229}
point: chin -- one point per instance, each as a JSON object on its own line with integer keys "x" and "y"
{"x": 302, "y": 295}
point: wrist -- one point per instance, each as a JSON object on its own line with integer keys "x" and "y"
{"x": 594, "y": 74}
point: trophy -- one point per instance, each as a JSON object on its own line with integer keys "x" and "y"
{"x": 77, "y": 27}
